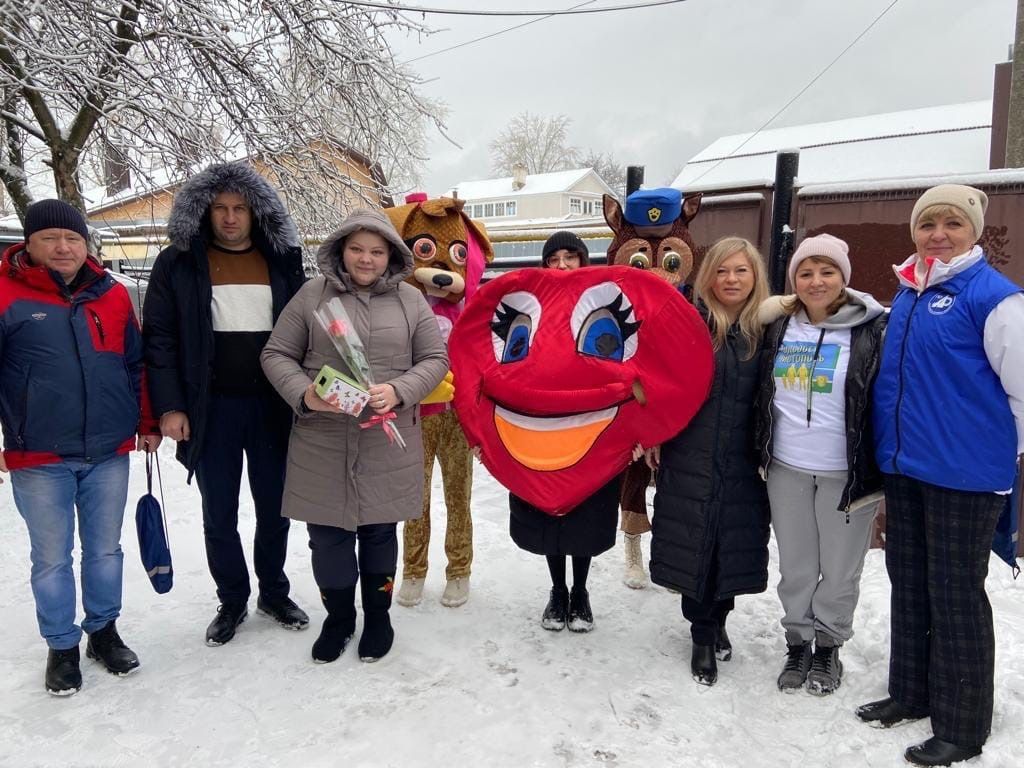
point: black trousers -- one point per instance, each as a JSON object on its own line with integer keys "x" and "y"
{"x": 708, "y": 614}
{"x": 258, "y": 427}
{"x": 942, "y": 655}
{"x": 334, "y": 553}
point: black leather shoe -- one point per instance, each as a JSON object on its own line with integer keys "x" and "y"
{"x": 63, "y": 675}
{"x": 107, "y": 647}
{"x": 885, "y": 713}
{"x": 283, "y": 610}
{"x": 935, "y": 751}
{"x": 222, "y": 628}
{"x": 703, "y": 666}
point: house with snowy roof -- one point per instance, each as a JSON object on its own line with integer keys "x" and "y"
{"x": 536, "y": 200}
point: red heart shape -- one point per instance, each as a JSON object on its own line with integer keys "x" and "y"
{"x": 558, "y": 374}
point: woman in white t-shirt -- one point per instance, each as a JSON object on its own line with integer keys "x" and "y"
{"x": 822, "y": 353}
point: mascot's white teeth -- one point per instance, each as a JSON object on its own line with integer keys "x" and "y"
{"x": 555, "y": 423}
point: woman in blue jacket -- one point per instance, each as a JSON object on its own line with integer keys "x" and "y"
{"x": 949, "y": 426}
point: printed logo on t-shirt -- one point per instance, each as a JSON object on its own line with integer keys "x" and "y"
{"x": 795, "y": 367}
{"x": 941, "y": 304}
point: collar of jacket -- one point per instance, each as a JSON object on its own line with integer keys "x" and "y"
{"x": 42, "y": 279}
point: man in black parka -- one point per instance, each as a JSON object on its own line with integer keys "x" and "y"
{"x": 213, "y": 298}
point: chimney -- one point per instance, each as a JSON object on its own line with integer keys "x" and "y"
{"x": 518, "y": 176}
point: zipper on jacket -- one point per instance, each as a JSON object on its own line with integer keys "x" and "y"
{"x": 810, "y": 378}
{"x": 899, "y": 391}
{"x": 99, "y": 326}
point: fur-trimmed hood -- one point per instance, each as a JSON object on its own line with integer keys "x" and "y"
{"x": 328, "y": 256}
{"x": 189, "y": 213}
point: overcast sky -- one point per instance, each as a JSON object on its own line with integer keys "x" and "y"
{"x": 655, "y": 86}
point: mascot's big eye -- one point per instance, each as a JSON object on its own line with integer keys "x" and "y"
{"x": 513, "y": 326}
{"x": 671, "y": 262}
{"x": 640, "y": 261}
{"x": 457, "y": 251}
{"x": 424, "y": 248}
{"x": 604, "y": 325}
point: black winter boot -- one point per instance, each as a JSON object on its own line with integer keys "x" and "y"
{"x": 826, "y": 673}
{"x": 798, "y": 664}
{"x": 339, "y": 626}
{"x": 378, "y": 635}
{"x": 63, "y": 674}
{"x": 581, "y": 618}
{"x": 222, "y": 628}
{"x": 703, "y": 666}
{"x": 723, "y": 646}
{"x": 107, "y": 647}
{"x": 887, "y": 712}
{"x": 935, "y": 751}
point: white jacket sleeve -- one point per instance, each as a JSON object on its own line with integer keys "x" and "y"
{"x": 1004, "y": 347}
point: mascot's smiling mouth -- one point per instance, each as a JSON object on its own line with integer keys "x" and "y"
{"x": 550, "y": 443}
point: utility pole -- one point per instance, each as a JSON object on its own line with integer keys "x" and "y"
{"x": 1015, "y": 122}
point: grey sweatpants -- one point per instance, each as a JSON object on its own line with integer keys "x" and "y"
{"x": 820, "y": 555}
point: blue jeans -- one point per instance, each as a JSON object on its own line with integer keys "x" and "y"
{"x": 46, "y": 497}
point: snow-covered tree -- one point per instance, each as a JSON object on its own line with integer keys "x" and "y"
{"x": 159, "y": 87}
{"x": 539, "y": 143}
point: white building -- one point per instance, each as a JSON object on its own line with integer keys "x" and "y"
{"x": 539, "y": 200}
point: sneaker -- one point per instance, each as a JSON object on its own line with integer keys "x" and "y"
{"x": 223, "y": 626}
{"x": 63, "y": 674}
{"x": 411, "y": 592}
{"x": 826, "y": 673}
{"x": 703, "y": 666}
{"x": 556, "y": 612}
{"x": 635, "y": 576}
{"x": 798, "y": 664}
{"x": 284, "y": 611}
{"x": 581, "y": 618}
{"x": 886, "y": 713}
{"x": 456, "y": 592}
{"x": 107, "y": 647}
{"x": 935, "y": 751}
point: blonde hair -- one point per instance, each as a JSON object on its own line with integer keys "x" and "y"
{"x": 719, "y": 322}
{"x": 941, "y": 210}
{"x": 792, "y": 304}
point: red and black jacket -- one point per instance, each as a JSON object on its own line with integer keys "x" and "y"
{"x": 72, "y": 380}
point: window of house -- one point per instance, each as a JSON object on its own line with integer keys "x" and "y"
{"x": 575, "y": 205}
{"x": 588, "y": 207}
{"x": 499, "y": 209}
{"x": 478, "y": 210}
{"x": 488, "y": 210}
{"x": 510, "y": 208}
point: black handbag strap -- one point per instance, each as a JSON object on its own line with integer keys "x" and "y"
{"x": 152, "y": 458}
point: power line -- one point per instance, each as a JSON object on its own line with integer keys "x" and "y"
{"x": 492, "y": 34}
{"x": 463, "y": 12}
{"x": 799, "y": 93}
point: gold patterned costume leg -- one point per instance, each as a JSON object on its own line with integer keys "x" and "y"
{"x": 457, "y": 473}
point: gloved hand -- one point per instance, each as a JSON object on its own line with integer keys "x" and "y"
{"x": 443, "y": 392}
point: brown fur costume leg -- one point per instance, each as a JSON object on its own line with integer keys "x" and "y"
{"x": 634, "y": 499}
{"x": 416, "y": 533}
{"x": 457, "y": 474}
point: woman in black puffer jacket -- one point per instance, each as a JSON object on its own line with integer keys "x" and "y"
{"x": 711, "y": 522}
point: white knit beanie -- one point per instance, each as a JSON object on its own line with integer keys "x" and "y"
{"x": 973, "y": 202}
{"x": 822, "y": 245}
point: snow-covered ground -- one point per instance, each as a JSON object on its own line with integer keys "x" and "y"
{"x": 481, "y": 685}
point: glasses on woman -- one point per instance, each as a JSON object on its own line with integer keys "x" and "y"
{"x": 569, "y": 258}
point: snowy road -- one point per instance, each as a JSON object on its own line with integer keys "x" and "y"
{"x": 481, "y": 685}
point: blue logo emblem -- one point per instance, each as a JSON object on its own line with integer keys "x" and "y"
{"x": 941, "y": 304}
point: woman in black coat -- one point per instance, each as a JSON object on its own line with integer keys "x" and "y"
{"x": 711, "y": 521}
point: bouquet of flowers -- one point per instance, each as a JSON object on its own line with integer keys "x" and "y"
{"x": 336, "y": 322}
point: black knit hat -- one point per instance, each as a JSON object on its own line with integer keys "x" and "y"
{"x": 570, "y": 241}
{"x": 54, "y": 214}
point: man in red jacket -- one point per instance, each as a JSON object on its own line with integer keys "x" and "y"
{"x": 73, "y": 403}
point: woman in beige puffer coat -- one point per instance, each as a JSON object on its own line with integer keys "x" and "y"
{"x": 344, "y": 481}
